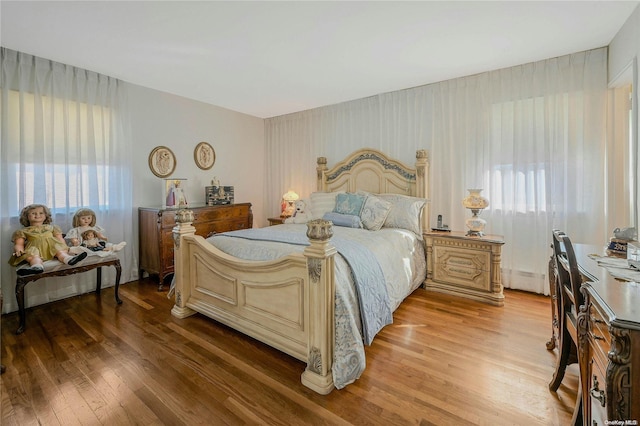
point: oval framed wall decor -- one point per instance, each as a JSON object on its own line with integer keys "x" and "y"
{"x": 162, "y": 161}
{"x": 204, "y": 155}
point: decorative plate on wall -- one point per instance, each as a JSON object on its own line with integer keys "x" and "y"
{"x": 204, "y": 156}
{"x": 162, "y": 162}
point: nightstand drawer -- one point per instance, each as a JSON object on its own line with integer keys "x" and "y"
{"x": 463, "y": 265}
{"x": 467, "y": 268}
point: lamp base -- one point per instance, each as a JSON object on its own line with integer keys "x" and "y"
{"x": 475, "y": 224}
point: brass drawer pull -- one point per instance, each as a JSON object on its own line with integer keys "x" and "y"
{"x": 596, "y": 337}
{"x": 596, "y": 320}
{"x": 597, "y": 393}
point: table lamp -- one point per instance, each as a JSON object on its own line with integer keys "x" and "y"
{"x": 288, "y": 205}
{"x": 476, "y": 203}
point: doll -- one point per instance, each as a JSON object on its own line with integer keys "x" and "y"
{"x": 91, "y": 242}
{"x": 39, "y": 241}
{"x": 85, "y": 220}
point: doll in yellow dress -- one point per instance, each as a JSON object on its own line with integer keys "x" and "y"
{"x": 39, "y": 241}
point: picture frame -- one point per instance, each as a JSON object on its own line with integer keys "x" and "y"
{"x": 173, "y": 195}
{"x": 162, "y": 161}
{"x": 204, "y": 155}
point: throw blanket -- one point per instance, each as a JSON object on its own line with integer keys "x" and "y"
{"x": 375, "y": 309}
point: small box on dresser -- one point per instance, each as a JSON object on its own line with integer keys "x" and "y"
{"x": 466, "y": 266}
{"x": 156, "y": 232}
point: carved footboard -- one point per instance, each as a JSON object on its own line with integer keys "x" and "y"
{"x": 286, "y": 303}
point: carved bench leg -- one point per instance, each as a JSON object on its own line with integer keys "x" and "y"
{"x": 20, "y": 298}
{"x": 116, "y": 290}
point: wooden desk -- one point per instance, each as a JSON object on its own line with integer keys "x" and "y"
{"x": 609, "y": 340}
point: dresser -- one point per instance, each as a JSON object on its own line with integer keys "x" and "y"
{"x": 156, "y": 227}
{"x": 609, "y": 339}
{"x": 465, "y": 266}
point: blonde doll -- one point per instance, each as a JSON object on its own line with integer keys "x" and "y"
{"x": 85, "y": 220}
{"x": 39, "y": 241}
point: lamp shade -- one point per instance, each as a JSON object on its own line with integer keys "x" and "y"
{"x": 290, "y": 196}
{"x": 475, "y": 200}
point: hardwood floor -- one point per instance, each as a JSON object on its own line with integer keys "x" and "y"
{"x": 444, "y": 361}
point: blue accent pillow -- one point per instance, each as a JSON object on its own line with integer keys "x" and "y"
{"x": 347, "y": 220}
{"x": 349, "y": 203}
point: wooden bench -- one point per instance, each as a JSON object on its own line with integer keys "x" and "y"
{"x": 61, "y": 270}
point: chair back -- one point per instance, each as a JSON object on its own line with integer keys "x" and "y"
{"x": 568, "y": 275}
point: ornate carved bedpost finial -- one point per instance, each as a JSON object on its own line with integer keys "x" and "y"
{"x": 319, "y": 229}
{"x": 184, "y": 216}
{"x": 320, "y": 169}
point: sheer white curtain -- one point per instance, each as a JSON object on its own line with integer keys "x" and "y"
{"x": 534, "y": 137}
{"x": 63, "y": 144}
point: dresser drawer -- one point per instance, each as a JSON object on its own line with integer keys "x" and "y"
{"x": 229, "y": 213}
{"x": 464, "y": 267}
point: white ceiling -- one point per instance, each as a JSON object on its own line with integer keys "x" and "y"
{"x": 270, "y": 58}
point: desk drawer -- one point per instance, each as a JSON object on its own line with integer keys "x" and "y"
{"x": 599, "y": 337}
{"x": 597, "y": 395}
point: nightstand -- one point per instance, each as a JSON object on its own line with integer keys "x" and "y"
{"x": 275, "y": 220}
{"x": 465, "y": 266}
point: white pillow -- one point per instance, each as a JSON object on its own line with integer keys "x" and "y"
{"x": 321, "y": 203}
{"x": 374, "y": 212}
{"x": 405, "y": 212}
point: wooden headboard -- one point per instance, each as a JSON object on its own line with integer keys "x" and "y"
{"x": 373, "y": 171}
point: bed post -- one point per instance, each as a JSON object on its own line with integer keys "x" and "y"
{"x": 320, "y": 266}
{"x": 422, "y": 187}
{"x": 321, "y": 167}
{"x": 181, "y": 286}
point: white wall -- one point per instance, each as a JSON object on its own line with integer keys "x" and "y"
{"x": 625, "y": 46}
{"x": 159, "y": 118}
{"x": 624, "y": 51}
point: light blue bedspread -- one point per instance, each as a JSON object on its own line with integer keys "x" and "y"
{"x": 375, "y": 306}
{"x": 399, "y": 253}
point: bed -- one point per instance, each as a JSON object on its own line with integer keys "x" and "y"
{"x": 300, "y": 287}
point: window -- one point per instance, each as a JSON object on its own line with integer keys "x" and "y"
{"x": 65, "y": 162}
{"x": 521, "y": 147}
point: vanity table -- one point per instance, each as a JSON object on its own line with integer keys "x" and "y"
{"x": 609, "y": 340}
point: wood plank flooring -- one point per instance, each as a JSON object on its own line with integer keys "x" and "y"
{"x": 444, "y": 361}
